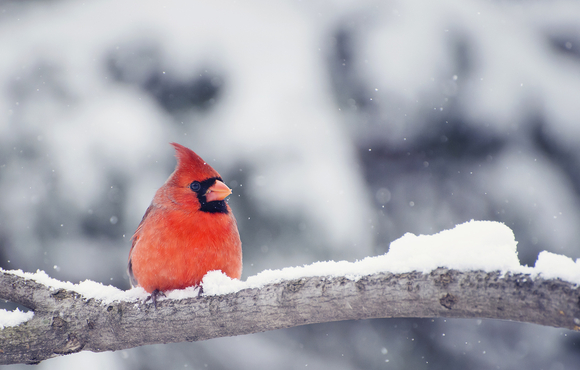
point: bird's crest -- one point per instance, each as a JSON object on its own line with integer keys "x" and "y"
{"x": 191, "y": 165}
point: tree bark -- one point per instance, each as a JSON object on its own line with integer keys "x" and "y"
{"x": 65, "y": 322}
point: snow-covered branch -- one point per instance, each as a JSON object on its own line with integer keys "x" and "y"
{"x": 482, "y": 278}
{"x": 66, "y": 322}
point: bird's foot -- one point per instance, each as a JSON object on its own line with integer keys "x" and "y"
{"x": 154, "y": 296}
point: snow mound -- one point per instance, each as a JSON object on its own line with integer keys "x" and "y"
{"x": 474, "y": 245}
{"x": 553, "y": 266}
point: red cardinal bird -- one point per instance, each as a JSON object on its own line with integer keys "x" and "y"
{"x": 187, "y": 230}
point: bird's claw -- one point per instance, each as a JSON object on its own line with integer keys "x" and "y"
{"x": 154, "y": 296}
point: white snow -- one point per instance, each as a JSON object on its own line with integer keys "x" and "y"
{"x": 475, "y": 245}
{"x": 14, "y": 318}
{"x": 88, "y": 288}
{"x": 554, "y": 266}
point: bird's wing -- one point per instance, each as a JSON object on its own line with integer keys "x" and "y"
{"x": 135, "y": 240}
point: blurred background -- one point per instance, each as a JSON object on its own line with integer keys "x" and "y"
{"x": 339, "y": 125}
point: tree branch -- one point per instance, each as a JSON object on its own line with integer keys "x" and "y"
{"x": 65, "y": 322}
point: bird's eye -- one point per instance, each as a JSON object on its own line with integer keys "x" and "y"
{"x": 195, "y": 186}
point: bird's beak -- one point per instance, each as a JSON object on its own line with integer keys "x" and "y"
{"x": 218, "y": 191}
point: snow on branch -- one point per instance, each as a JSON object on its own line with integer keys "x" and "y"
{"x": 481, "y": 280}
{"x": 66, "y": 322}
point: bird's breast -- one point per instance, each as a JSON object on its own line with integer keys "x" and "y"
{"x": 176, "y": 249}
